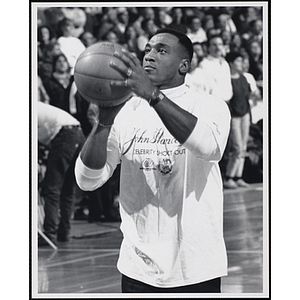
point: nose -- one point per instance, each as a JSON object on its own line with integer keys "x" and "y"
{"x": 149, "y": 57}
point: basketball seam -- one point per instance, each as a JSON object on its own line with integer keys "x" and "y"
{"x": 91, "y": 76}
{"x": 89, "y": 54}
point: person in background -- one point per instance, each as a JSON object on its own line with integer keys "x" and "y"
{"x": 58, "y": 86}
{"x": 256, "y": 63}
{"x": 255, "y": 92}
{"x": 179, "y": 20}
{"x": 255, "y": 32}
{"x": 225, "y": 23}
{"x": 226, "y": 37}
{"x": 208, "y": 23}
{"x": 216, "y": 69}
{"x": 62, "y": 134}
{"x": 45, "y": 63}
{"x": 195, "y": 78}
{"x": 87, "y": 38}
{"x": 45, "y": 37}
{"x": 131, "y": 36}
{"x": 111, "y": 36}
{"x": 162, "y": 18}
{"x": 255, "y": 98}
{"x": 240, "y": 123}
{"x": 123, "y": 22}
{"x": 148, "y": 13}
{"x": 78, "y": 17}
{"x": 149, "y": 27}
{"x": 107, "y": 22}
{"x": 70, "y": 45}
{"x": 195, "y": 32}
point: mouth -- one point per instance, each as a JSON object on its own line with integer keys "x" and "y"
{"x": 148, "y": 68}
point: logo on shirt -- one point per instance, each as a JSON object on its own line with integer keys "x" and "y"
{"x": 147, "y": 164}
{"x": 165, "y": 166}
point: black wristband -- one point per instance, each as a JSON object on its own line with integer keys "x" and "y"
{"x": 156, "y": 97}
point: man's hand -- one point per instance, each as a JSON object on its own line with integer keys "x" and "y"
{"x": 136, "y": 77}
{"x": 107, "y": 114}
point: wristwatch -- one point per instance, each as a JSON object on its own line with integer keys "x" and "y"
{"x": 156, "y": 97}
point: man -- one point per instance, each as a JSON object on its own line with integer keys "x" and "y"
{"x": 216, "y": 69}
{"x": 168, "y": 141}
{"x": 62, "y": 134}
{"x": 196, "y": 33}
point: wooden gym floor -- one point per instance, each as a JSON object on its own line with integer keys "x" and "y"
{"x": 86, "y": 266}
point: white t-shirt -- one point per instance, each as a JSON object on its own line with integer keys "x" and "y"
{"x": 171, "y": 199}
{"x": 251, "y": 80}
{"x": 199, "y": 36}
{"x": 196, "y": 80}
{"x": 217, "y": 74}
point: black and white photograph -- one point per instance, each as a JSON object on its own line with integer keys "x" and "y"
{"x": 150, "y": 146}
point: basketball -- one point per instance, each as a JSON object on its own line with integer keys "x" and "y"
{"x": 92, "y": 75}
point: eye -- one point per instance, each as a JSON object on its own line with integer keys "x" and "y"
{"x": 147, "y": 50}
{"x": 162, "y": 50}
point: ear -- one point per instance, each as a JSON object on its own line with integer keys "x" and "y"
{"x": 184, "y": 66}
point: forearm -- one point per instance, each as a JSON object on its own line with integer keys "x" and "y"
{"x": 204, "y": 133}
{"x": 178, "y": 121}
{"x": 94, "y": 151}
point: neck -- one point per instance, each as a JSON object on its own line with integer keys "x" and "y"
{"x": 235, "y": 74}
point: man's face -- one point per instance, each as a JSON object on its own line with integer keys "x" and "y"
{"x": 151, "y": 27}
{"x": 162, "y": 59}
{"x": 195, "y": 25}
{"x": 68, "y": 29}
{"x": 216, "y": 47}
{"x": 45, "y": 34}
{"x": 149, "y": 13}
{"x": 124, "y": 17}
{"x": 255, "y": 48}
{"x": 198, "y": 50}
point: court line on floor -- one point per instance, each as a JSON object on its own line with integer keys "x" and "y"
{"x": 95, "y": 233}
{"x": 243, "y": 206}
{"x": 79, "y": 250}
{"x": 242, "y": 190}
{"x": 97, "y": 288}
{"x": 79, "y": 260}
{"x": 245, "y": 251}
{"x": 87, "y": 290}
{"x": 90, "y": 284}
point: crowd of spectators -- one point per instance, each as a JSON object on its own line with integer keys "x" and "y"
{"x": 64, "y": 32}
{"x": 73, "y": 28}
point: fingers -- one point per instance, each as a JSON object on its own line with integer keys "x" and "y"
{"x": 119, "y": 83}
{"x": 121, "y": 69}
{"x": 125, "y": 71}
{"x": 127, "y": 57}
{"x": 128, "y": 60}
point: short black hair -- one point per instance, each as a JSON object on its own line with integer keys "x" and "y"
{"x": 183, "y": 39}
{"x": 232, "y": 56}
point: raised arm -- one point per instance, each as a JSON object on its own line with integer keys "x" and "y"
{"x": 94, "y": 151}
{"x": 178, "y": 121}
